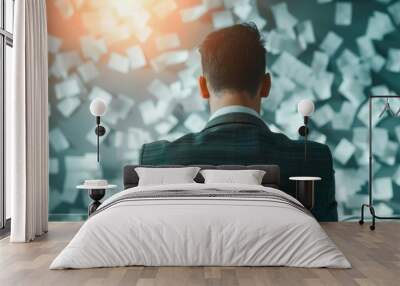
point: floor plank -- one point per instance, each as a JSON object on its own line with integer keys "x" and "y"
{"x": 375, "y": 257}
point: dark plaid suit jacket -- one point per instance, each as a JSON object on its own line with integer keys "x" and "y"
{"x": 243, "y": 139}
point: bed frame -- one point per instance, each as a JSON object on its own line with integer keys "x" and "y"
{"x": 271, "y": 177}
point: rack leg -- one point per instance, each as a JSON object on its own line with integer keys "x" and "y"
{"x": 361, "y": 221}
{"x": 372, "y": 210}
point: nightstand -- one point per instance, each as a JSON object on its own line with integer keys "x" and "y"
{"x": 305, "y": 190}
{"x": 96, "y": 194}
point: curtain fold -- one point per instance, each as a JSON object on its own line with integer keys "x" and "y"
{"x": 27, "y": 123}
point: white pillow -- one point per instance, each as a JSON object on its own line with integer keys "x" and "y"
{"x": 165, "y": 176}
{"x": 247, "y": 177}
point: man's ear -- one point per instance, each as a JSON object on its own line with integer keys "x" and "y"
{"x": 203, "y": 87}
{"x": 266, "y": 85}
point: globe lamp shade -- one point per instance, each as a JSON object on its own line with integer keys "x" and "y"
{"x": 98, "y": 107}
{"x": 305, "y": 107}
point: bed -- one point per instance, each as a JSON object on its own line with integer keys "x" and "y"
{"x": 198, "y": 224}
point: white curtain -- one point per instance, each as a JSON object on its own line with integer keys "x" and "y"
{"x": 27, "y": 124}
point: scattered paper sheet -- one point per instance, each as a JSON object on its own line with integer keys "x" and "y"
{"x": 377, "y": 62}
{"x": 393, "y": 61}
{"x": 388, "y": 156}
{"x": 118, "y": 109}
{"x": 85, "y": 162}
{"x": 67, "y": 88}
{"x": 159, "y": 89}
{"x": 394, "y": 11}
{"x": 53, "y": 166}
{"x": 331, "y": 43}
{"x": 344, "y": 151}
{"x": 345, "y": 117}
{"x": 360, "y": 137}
{"x": 53, "y": 44}
{"x": 58, "y": 141}
{"x": 278, "y": 41}
{"x": 352, "y": 90}
{"x": 323, "y": 115}
{"x": 149, "y": 113}
{"x": 143, "y": 33}
{"x": 380, "y": 90}
{"x": 365, "y": 47}
{"x": 396, "y": 176}
{"x": 320, "y": 62}
{"x": 317, "y": 137}
{"x": 194, "y": 123}
{"x": 167, "y": 42}
{"x": 98, "y": 92}
{"x": 164, "y": 8}
{"x": 288, "y": 65}
{"x": 343, "y": 13}
{"x": 63, "y": 63}
{"x": 283, "y": 18}
{"x": 242, "y": 10}
{"x": 193, "y": 13}
{"x": 377, "y": 107}
{"x": 136, "y": 57}
{"x": 322, "y": 85}
{"x": 383, "y": 188}
{"x": 306, "y": 32}
{"x": 222, "y": 19}
{"x": 88, "y": 71}
{"x": 167, "y": 125}
{"x": 169, "y": 59}
{"x": 68, "y": 105}
{"x": 379, "y": 25}
{"x": 93, "y": 48}
{"x": 119, "y": 63}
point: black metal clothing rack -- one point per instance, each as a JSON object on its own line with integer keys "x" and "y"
{"x": 370, "y": 205}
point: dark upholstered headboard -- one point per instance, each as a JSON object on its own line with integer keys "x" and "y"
{"x": 271, "y": 177}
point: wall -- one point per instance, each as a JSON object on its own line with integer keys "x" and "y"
{"x": 140, "y": 56}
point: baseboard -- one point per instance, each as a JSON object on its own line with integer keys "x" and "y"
{"x": 67, "y": 217}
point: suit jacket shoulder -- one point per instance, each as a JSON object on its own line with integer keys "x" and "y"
{"x": 156, "y": 153}
{"x": 152, "y": 152}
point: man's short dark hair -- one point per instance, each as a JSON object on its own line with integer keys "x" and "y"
{"x": 234, "y": 58}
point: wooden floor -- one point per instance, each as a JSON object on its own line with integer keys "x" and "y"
{"x": 375, "y": 257}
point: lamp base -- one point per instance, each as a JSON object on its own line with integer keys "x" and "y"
{"x": 100, "y": 130}
{"x": 304, "y": 131}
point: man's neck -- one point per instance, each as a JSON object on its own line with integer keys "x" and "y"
{"x": 228, "y": 98}
{"x": 234, "y": 109}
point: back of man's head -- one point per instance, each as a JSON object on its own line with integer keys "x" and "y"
{"x": 234, "y": 58}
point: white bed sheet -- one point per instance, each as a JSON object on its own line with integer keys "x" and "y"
{"x": 200, "y": 231}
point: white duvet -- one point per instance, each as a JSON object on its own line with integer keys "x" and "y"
{"x": 192, "y": 231}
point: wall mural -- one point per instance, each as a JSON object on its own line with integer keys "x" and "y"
{"x": 141, "y": 57}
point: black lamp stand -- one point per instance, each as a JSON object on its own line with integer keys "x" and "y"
{"x": 304, "y": 131}
{"x": 370, "y": 205}
{"x": 100, "y": 131}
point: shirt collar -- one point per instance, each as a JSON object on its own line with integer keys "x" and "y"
{"x": 234, "y": 109}
{"x": 236, "y": 118}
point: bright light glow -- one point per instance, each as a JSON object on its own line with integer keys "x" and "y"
{"x": 306, "y": 107}
{"x": 98, "y": 107}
